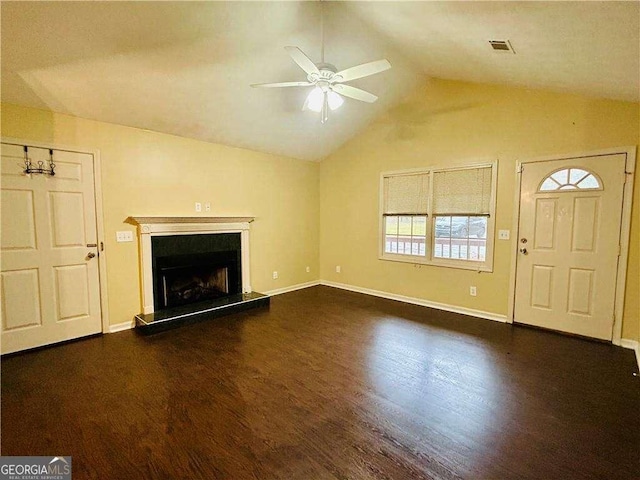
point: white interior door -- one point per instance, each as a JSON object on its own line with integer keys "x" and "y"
{"x": 570, "y": 214}
{"x": 50, "y": 287}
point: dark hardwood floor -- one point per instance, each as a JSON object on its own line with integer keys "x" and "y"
{"x": 328, "y": 384}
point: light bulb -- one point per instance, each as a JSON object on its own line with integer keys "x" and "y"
{"x": 335, "y": 100}
{"x": 315, "y": 99}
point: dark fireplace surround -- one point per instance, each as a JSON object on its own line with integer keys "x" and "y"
{"x": 189, "y": 269}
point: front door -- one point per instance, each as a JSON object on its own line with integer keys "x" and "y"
{"x": 50, "y": 288}
{"x": 569, "y": 237}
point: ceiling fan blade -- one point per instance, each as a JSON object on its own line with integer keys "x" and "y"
{"x": 302, "y": 60}
{"x": 364, "y": 70}
{"x": 355, "y": 93}
{"x": 282, "y": 84}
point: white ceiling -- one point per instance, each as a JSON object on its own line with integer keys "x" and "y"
{"x": 185, "y": 67}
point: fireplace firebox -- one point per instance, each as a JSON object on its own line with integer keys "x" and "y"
{"x": 195, "y": 268}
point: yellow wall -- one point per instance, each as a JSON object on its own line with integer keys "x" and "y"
{"x": 449, "y": 122}
{"x": 146, "y": 174}
{"x": 305, "y": 211}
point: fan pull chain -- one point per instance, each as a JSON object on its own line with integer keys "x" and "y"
{"x": 324, "y": 115}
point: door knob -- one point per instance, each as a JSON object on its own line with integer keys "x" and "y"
{"x": 91, "y": 255}
{"x": 523, "y": 251}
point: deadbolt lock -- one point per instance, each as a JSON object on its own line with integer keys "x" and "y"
{"x": 523, "y": 240}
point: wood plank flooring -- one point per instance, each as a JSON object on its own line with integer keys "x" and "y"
{"x": 328, "y": 384}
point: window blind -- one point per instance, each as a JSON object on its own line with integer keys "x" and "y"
{"x": 462, "y": 192}
{"x": 406, "y": 194}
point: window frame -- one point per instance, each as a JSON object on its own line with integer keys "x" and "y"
{"x": 600, "y": 186}
{"x": 429, "y": 259}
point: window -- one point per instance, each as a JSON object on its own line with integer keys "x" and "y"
{"x": 440, "y": 216}
{"x": 405, "y": 213}
{"x": 460, "y": 237}
{"x": 570, "y": 179}
{"x": 461, "y": 207}
{"x": 406, "y": 235}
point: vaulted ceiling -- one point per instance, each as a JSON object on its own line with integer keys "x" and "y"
{"x": 185, "y": 68}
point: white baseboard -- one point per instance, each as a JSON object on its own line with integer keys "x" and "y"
{"x": 419, "y": 301}
{"x": 633, "y": 345}
{"x": 119, "y": 327}
{"x": 292, "y": 288}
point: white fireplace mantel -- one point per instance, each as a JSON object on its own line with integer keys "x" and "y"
{"x": 154, "y": 226}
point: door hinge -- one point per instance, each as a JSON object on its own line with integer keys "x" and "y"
{"x": 519, "y": 168}
{"x": 102, "y": 246}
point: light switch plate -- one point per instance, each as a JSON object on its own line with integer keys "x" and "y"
{"x": 503, "y": 234}
{"x": 124, "y": 236}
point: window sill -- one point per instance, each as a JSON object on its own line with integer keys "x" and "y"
{"x": 447, "y": 263}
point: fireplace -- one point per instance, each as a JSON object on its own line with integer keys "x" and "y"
{"x": 195, "y": 268}
{"x": 170, "y": 246}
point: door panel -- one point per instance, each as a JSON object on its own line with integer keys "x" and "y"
{"x": 65, "y": 205}
{"x": 545, "y": 227}
{"x": 50, "y": 285}
{"x": 68, "y": 171}
{"x": 18, "y": 225}
{"x": 580, "y": 291}
{"x": 71, "y": 291}
{"x": 569, "y": 233}
{"x": 585, "y": 224}
{"x": 21, "y": 284}
{"x": 541, "y": 286}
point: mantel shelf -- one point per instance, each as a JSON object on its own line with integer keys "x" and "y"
{"x": 178, "y": 220}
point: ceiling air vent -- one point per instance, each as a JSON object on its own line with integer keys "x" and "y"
{"x": 501, "y": 46}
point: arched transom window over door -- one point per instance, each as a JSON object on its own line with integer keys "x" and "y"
{"x": 571, "y": 179}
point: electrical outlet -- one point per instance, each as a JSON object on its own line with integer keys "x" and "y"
{"x": 124, "y": 236}
{"x": 338, "y": 269}
{"x": 198, "y": 207}
{"x": 207, "y": 207}
{"x": 503, "y": 234}
{"x": 308, "y": 269}
{"x": 275, "y": 275}
{"x": 472, "y": 291}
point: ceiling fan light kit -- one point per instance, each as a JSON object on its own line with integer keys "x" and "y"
{"x": 329, "y": 85}
{"x": 315, "y": 100}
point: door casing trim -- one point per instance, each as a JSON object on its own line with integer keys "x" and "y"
{"x": 625, "y": 229}
{"x": 97, "y": 183}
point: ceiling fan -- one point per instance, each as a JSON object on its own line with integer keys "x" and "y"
{"x": 328, "y": 82}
